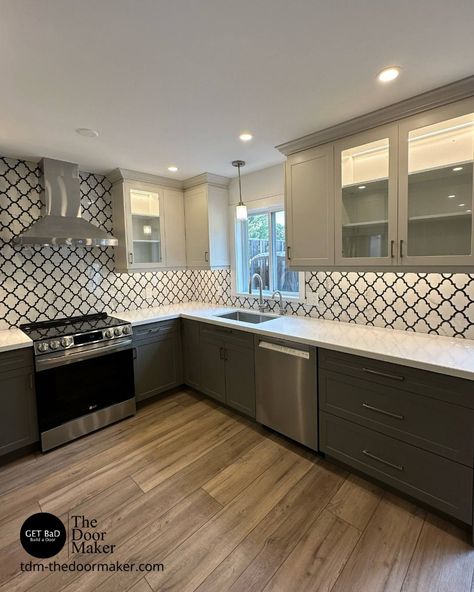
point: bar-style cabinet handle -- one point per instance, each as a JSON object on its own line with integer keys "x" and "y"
{"x": 383, "y": 374}
{"x": 382, "y": 460}
{"x": 206, "y": 256}
{"x": 288, "y": 253}
{"x": 401, "y": 248}
{"x": 130, "y": 258}
{"x": 392, "y": 244}
{"x": 382, "y": 411}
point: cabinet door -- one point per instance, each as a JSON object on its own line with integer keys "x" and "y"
{"x": 212, "y": 364}
{"x": 157, "y": 365}
{"x": 366, "y": 198}
{"x": 240, "y": 378}
{"x": 18, "y": 423}
{"x": 174, "y": 231}
{"x": 197, "y": 227}
{"x": 309, "y": 206}
{"x": 191, "y": 353}
{"x": 145, "y": 227}
{"x": 436, "y": 186}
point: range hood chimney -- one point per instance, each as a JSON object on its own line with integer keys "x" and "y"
{"x": 62, "y": 223}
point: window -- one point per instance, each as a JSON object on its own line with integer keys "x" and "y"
{"x": 260, "y": 248}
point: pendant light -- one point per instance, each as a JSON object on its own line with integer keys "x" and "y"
{"x": 241, "y": 208}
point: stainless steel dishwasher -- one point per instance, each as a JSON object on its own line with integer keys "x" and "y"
{"x": 287, "y": 401}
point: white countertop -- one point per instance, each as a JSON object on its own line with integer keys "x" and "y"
{"x": 445, "y": 355}
{"x": 13, "y": 339}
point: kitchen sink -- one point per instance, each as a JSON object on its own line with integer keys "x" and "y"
{"x": 246, "y": 317}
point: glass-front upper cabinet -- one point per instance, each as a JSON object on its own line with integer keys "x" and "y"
{"x": 436, "y": 186}
{"x": 146, "y": 242}
{"x": 366, "y": 198}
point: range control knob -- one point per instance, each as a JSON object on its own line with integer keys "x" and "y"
{"x": 127, "y": 330}
{"x": 66, "y": 341}
{"x": 54, "y": 344}
{"x": 42, "y": 347}
{"x": 118, "y": 331}
{"x": 109, "y": 333}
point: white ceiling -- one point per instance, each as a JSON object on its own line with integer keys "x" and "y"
{"x": 176, "y": 81}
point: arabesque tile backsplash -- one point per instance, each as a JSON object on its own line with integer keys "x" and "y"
{"x": 50, "y": 282}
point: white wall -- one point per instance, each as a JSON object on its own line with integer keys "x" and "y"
{"x": 259, "y": 185}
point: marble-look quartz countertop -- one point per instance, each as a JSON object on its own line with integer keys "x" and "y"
{"x": 13, "y": 339}
{"x": 445, "y": 355}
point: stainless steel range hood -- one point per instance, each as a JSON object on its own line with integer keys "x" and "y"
{"x": 62, "y": 223}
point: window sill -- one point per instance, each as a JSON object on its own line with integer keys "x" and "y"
{"x": 267, "y": 296}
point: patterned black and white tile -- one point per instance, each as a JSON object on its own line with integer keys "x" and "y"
{"x": 39, "y": 283}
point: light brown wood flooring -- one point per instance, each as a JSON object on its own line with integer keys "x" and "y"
{"x": 224, "y": 506}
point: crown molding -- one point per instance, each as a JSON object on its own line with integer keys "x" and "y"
{"x": 208, "y": 179}
{"x": 443, "y": 95}
{"x": 118, "y": 175}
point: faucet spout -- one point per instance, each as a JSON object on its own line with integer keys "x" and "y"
{"x": 262, "y": 307}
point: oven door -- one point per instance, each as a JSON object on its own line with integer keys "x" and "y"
{"x": 80, "y": 383}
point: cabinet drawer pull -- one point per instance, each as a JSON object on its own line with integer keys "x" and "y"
{"x": 401, "y": 248}
{"x": 382, "y": 411}
{"x": 392, "y": 244}
{"x": 154, "y": 330}
{"x": 383, "y": 374}
{"x": 382, "y": 460}
{"x": 206, "y": 256}
{"x": 130, "y": 258}
{"x": 288, "y": 253}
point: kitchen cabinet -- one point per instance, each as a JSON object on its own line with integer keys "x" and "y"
{"x": 309, "y": 205}
{"x": 191, "y": 354}
{"x": 207, "y": 234}
{"x": 408, "y": 428}
{"x": 366, "y": 198}
{"x": 18, "y": 420}
{"x": 228, "y": 367}
{"x": 157, "y": 358}
{"x": 398, "y": 196}
{"x": 148, "y": 221}
{"x": 436, "y": 187}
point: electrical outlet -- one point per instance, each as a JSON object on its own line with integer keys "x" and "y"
{"x": 148, "y": 293}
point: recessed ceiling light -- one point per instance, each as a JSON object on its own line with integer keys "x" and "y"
{"x": 361, "y": 187}
{"x": 245, "y": 137}
{"x": 87, "y": 132}
{"x": 389, "y": 74}
{"x": 451, "y": 196}
{"x": 468, "y": 211}
{"x": 456, "y": 169}
{"x": 461, "y": 205}
{"x": 172, "y": 169}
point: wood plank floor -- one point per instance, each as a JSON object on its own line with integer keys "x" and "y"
{"x": 224, "y": 505}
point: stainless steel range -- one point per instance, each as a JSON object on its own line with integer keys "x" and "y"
{"x": 84, "y": 375}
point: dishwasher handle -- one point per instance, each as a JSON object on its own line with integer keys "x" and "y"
{"x": 283, "y": 349}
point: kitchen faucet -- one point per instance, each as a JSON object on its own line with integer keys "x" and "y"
{"x": 282, "y": 308}
{"x": 262, "y": 306}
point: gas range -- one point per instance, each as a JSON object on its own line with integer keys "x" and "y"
{"x": 60, "y": 335}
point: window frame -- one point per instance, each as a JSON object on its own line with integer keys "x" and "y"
{"x": 241, "y": 255}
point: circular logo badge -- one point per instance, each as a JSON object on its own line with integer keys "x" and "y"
{"x": 43, "y": 535}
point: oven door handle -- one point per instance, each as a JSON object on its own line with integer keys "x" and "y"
{"x": 72, "y": 357}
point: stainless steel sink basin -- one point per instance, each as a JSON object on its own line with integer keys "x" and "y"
{"x": 246, "y": 317}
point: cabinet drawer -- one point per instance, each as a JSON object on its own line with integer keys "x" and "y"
{"x": 232, "y": 336}
{"x": 158, "y": 329}
{"x": 430, "y": 384}
{"x": 439, "y": 482}
{"x": 436, "y": 426}
{"x": 18, "y": 358}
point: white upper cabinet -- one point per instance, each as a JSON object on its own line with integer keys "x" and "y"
{"x": 149, "y": 223}
{"x": 309, "y": 202}
{"x": 207, "y": 228}
{"x": 436, "y": 187}
{"x": 366, "y": 198}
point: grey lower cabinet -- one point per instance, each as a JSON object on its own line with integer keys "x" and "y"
{"x": 190, "y": 349}
{"x": 228, "y": 367}
{"x": 18, "y": 421}
{"x": 409, "y": 428}
{"x": 157, "y": 358}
